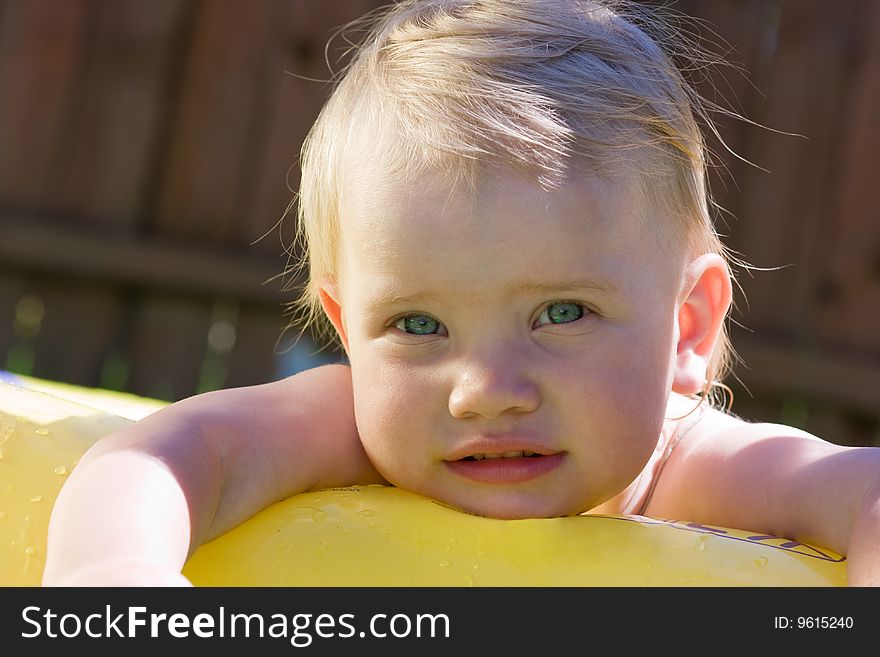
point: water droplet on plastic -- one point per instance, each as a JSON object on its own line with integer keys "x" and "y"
{"x": 30, "y": 551}
{"x": 445, "y": 563}
{"x": 7, "y": 428}
{"x": 307, "y": 514}
{"x": 367, "y": 513}
{"x": 761, "y": 561}
{"x": 41, "y": 431}
{"x": 37, "y": 498}
{"x": 60, "y": 470}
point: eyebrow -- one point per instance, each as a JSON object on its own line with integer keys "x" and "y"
{"x": 603, "y": 285}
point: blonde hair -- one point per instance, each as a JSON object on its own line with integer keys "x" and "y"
{"x": 449, "y": 85}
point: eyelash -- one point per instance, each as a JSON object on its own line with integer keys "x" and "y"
{"x": 584, "y": 312}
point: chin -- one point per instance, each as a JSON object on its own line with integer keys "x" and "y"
{"x": 514, "y": 506}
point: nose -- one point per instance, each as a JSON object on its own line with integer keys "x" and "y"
{"x": 492, "y": 385}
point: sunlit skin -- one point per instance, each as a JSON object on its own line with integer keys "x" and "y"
{"x": 512, "y": 319}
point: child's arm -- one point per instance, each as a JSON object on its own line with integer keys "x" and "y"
{"x": 779, "y": 480}
{"x": 142, "y": 500}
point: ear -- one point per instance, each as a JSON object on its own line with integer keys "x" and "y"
{"x": 329, "y": 296}
{"x": 703, "y": 305}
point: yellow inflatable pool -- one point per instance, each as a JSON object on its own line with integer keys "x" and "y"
{"x": 377, "y": 535}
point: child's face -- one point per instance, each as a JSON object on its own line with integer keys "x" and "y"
{"x": 510, "y": 322}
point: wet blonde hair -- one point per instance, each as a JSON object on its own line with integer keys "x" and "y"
{"x": 540, "y": 85}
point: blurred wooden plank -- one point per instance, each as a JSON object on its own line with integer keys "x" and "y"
{"x": 843, "y": 428}
{"x": 78, "y": 326}
{"x": 11, "y": 289}
{"x": 252, "y": 360}
{"x": 41, "y": 49}
{"x": 102, "y": 173}
{"x": 295, "y": 89}
{"x": 740, "y": 33}
{"x": 848, "y": 298}
{"x": 779, "y": 368}
{"x": 59, "y": 248}
{"x": 54, "y": 95}
{"x": 169, "y": 339}
{"x": 784, "y": 215}
{"x": 208, "y": 159}
{"x": 288, "y": 108}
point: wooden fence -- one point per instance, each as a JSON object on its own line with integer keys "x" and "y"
{"x": 147, "y": 150}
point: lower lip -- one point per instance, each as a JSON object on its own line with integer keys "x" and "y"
{"x": 506, "y": 470}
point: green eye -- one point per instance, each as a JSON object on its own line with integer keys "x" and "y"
{"x": 561, "y": 313}
{"x": 419, "y": 325}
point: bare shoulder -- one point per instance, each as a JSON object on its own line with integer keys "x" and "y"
{"x": 328, "y": 385}
{"x": 760, "y": 476}
{"x": 709, "y": 430}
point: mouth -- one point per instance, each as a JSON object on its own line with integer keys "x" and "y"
{"x": 510, "y": 467}
{"x": 505, "y": 455}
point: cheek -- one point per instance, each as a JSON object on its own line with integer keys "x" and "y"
{"x": 644, "y": 375}
{"x": 393, "y": 410}
{"x": 626, "y": 387}
{"x": 632, "y": 364}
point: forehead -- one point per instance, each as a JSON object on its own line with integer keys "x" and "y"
{"x": 504, "y": 238}
{"x": 383, "y": 216}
